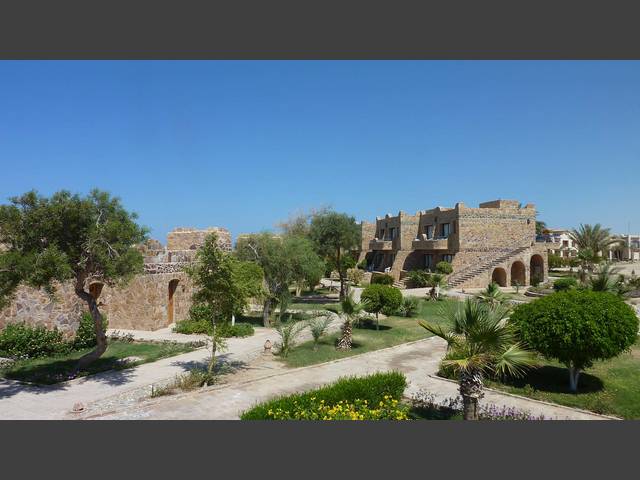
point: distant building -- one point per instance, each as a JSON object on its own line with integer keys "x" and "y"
{"x": 560, "y": 242}
{"x": 627, "y": 250}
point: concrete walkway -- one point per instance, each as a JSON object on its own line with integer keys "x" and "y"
{"x": 417, "y": 360}
{"x": 26, "y": 402}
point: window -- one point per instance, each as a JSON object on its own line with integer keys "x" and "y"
{"x": 428, "y": 230}
{"x": 565, "y": 243}
{"x": 447, "y": 258}
{"x": 392, "y": 233}
{"x": 381, "y": 236}
{"x": 446, "y": 227}
{"x": 428, "y": 261}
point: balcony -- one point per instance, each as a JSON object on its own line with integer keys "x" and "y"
{"x": 424, "y": 243}
{"x": 376, "y": 244}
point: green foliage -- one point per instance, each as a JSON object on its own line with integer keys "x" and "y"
{"x": 318, "y": 326}
{"x": 381, "y": 298}
{"x": 66, "y": 237}
{"x": 540, "y": 227}
{"x": 22, "y": 341}
{"x": 288, "y": 333}
{"x": 199, "y": 322}
{"x": 409, "y": 307}
{"x": 565, "y": 283}
{"x": 419, "y": 278}
{"x": 593, "y": 238}
{"x": 192, "y": 380}
{"x": 556, "y": 261}
{"x": 492, "y": 295}
{"x": 362, "y": 264}
{"x": 386, "y": 409}
{"x": 383, "y": 279}
{"x": 355, "y": 275}
{"x": 444, "y": 268}
{"x": 307, "y": 267}
{"x": 86, "y": 334}
{"x": 372, "y": 388}
{"x": 577, "y": 327}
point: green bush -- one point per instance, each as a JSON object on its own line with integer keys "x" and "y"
{"x": 409, "y": 306}
{"x": 555, "y": 261}
{"x": 362, "y": 264}
{"x": 381, "y": 298}
{"x": 444, "y": 268}
{"x": 21, "y": 341}
{"x": 371, "y": 388}
{"x": 382, "y": 280}
{"x": 419, "y": 278}
{"x": 565, "y": 283}
{"x": 577, "y": 327}
{"x": 204, "y": 327}
{"x": 238, "y": 330}
{"x": 86, "y": 333}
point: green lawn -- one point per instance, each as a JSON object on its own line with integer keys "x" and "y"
{"x": 393, "y": 331}
{"x": 50, "y": 370}
{"x": 611, "y": 387}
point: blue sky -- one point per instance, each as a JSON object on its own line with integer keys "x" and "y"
{"x": 244, "y": 144}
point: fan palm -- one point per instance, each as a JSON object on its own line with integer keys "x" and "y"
{"x": 492, "y": 295}
{"x": 350, "y": 311}
{"x": 481, "y": 341}
{"x": 595, "y": 238}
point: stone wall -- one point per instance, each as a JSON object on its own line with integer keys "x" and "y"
{"x": 189, "y": 238}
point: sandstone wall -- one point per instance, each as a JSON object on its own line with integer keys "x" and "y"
{"x": 188, "y": 238}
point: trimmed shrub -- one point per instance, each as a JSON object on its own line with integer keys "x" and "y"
{"x": 21, "y": 341}
{"x": 382, "y": 280}
{"x": 371, "y": 388}
{"x": 577, "y": 327}
{"x": 565, "y": 283}
{"x": 381, "y": 298}
{"x": 444, "y": 268}
{"x": 86, "y": 333}
{"x": 199, "y": 322}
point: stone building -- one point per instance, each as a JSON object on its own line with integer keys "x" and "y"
{"x": 494, "y": 242}
{"x": 150, "y": 301}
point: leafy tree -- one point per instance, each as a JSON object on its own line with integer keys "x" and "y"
{"x": 307, "y": 266}
{"x": 335, "y": 235}
{"x": 377, "y": 298}
{"x": 269, "y": 252}
{"x": 350, "y": 311}
{"x": 481, "y": 341}
{"x": 355, "y": 276}
{"x": 67, "y": 237}
{"x": 492, "y": 295}
{"x": 577, "y": 327}
{"x": 224, "y": 285}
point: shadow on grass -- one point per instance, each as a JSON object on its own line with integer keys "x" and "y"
{"x": 255, "y": 320}
{"x": 371, "y": 325}
{"x": 554, "y": 379}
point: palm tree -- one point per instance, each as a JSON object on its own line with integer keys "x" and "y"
{"x": 350, "y": 310}
{"x": 594, "y": 238}
{"x": 607, "y": 279}
{"x": 492, "y": 295}
{"x": 481, "y": 341}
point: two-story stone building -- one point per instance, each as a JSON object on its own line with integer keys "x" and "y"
{"x": 494, "y": 242}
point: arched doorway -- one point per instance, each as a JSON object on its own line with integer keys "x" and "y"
{"x": 499, "y": 276}
{"x": 518, "y": 273}
{"x": 173, "y": 284}
{"x": 536, "y": 270}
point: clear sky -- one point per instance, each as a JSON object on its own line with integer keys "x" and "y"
{"x": 244, "y": 144}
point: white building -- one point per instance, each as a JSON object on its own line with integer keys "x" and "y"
{"x": 560, "y": 242}
{"x": 627, "y": 250}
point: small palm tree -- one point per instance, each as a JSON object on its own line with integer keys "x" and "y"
{"x": 595, "y": 239}
{"x": 492, "y": 295}
{"x": 318, "y": 326}
{"x": 481, "y": 341}
{"x": 607, "y": 279}
{"x": 350, "y": 311}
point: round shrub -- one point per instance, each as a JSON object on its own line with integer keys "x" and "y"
{"x": 577, "y": 327}
{"x": 444, "y": 268}
{"x": 382, "y": 280}
{"x": 565, "y": 283}
{"x": 381, "y": 298}
{"x": 419, "y": 278}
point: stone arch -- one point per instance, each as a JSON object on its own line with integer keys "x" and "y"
{"x": 536, "y": 268}
{"x": 173, "y": 285}
{"x": 518, "y": 273}
{"x": 499, "y": 276}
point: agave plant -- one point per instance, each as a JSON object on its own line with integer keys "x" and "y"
{"x": 350, "y": 311}
{"x": 492, "y": 295}
{"x": 480, "y": 342}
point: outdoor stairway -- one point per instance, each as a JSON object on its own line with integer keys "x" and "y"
{"x": 458, "y": 278}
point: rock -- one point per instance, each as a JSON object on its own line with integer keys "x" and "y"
{"x": 6, "y": 362}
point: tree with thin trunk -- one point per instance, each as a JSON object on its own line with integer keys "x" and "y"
{"x": 336, "y": 235}
{"x": 68, "y": 237}
{"x": 481, "y": 341}
{"x": 224, "y": 285}
{"x": 594, "y": 240}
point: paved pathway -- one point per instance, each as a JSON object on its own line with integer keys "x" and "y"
{"x": 417, "y": 360}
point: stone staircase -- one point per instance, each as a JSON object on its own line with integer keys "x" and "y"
{"x": 462, "y": 276}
